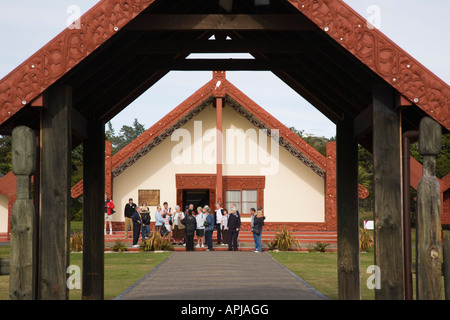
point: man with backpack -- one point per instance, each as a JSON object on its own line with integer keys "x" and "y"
{"x": 145, "y": 218}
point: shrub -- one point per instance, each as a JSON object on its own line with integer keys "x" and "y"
{"x": 156, "y": 242}
{"x": 365, "y": 240}
{"x": 119, "y": 246}
{"x": 76, "y": 242}
{"x": 320, "y": 247}
{"x": 283, "y": 241}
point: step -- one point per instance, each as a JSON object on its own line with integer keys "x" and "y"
{"x": 247, "y": 236}
{"x": 4, "y": 237}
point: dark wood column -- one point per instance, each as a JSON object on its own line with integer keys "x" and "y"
{"x": 347, "y": 211}
{"x": 55, "y": 193}
{"x": 93, "y": 211}
{"x": 387, "y": 194}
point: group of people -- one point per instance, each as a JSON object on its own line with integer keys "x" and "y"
{"x": 182, "y": 226}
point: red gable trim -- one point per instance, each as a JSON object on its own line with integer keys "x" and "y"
{"x": 67, "y": 49}
{"x": 285, "y": 133}
{"x": 382, "y": 55}
{"x": 134, "y": 150}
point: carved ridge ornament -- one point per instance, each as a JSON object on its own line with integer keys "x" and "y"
{"x": 381, "y": 55}
{"x": 63, "y": 52}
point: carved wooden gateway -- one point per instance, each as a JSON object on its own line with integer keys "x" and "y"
{"x": 370, "y": 88}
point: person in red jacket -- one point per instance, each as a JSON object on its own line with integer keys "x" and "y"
{"x": 109, "y": 210}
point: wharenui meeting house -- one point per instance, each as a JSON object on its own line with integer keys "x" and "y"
{"x": 260, "y": 162}
{"x": 219, "y": 145}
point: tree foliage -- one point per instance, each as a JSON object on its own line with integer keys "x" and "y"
{"x": 125, "y": 136}
{"x": 5, "y": 154}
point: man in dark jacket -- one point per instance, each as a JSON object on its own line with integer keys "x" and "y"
{"x": 190, "y": 224}
{"x": 130, "y": 207}
{"x": 234, "y": 224}
{"x": 137, "y": 222}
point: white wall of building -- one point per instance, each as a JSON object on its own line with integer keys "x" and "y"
{"x": 157, "y": 169}
{"x": 293, "y": 192}
{"x": 3, "y": 214}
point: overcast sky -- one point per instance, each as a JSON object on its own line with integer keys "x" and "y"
{"x": 420, "y": 27}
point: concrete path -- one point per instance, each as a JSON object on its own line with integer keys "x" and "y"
{"x": 220, "y": 275}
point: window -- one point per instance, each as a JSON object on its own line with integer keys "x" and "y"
{"x": 243, "y": 199}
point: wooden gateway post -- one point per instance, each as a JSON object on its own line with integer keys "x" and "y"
{"x": 347, "y": 211}
{"x": 429, "y": 281}
{"x": 56, "y": 152}
{"x": 93, "y": 206}
{"x": 387, "y": 195}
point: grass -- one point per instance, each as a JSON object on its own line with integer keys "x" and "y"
{"x": 320, "y": 270}
{"x": 121, "y": 271}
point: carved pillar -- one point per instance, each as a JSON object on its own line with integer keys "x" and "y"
{"x": 23, "y": 250}
{"x": 429, "y": 214}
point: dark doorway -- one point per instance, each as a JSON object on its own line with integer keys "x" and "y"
{"x": 196, "y": 197}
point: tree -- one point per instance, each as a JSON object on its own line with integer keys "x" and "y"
{"x": 443, "y": 159}
{"x": 5, "y": 154}
{"x": 126, "y": 135}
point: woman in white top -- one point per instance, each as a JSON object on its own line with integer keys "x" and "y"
{"x": 200, "y": 231}
{"x": 178, "y": 228}
{"x": 225, "y": 227}
{"x": 167, "y": 216}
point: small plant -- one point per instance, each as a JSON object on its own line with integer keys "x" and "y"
{"x": 272, "y": 244}
{"x": 156, "y": 242}
{"x": 119, "y": 246}
{"x": 365, "y": 240}
{"x": 319, "y": 247}
{"x": 76, "y": 242}
{"x": 283, "y": 241}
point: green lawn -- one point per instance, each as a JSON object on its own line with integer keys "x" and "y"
{"x": 320, "y": 270}
{"x": 121, "y": 271}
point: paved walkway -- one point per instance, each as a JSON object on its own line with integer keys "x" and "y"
{"x": 220, "y": 275}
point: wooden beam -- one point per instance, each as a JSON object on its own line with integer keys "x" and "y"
{"x": 79, "y": 125}
{"x": 363, "y": 122}
{"x": 306, "y": 90}
{"x": 349, "y": 287}
{"x": 387, "y": 194}
{"x": 55, "y": 193}
{"x": 222, "y": 46}
{"x": 93, "y": 208}
{"x": 188, "y": 22}
{"x": 223, "y": 64}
